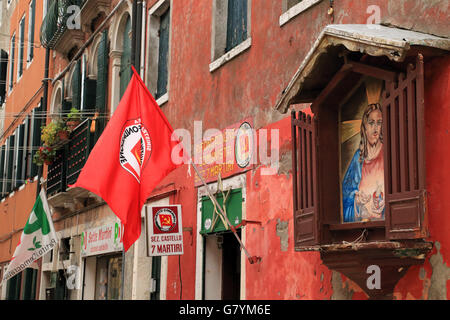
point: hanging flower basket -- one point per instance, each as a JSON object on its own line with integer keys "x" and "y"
{"x": 54, "y": 134}
{"x": 45, "y": 155}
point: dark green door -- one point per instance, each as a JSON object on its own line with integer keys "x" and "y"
{"x": 125, "y": 64}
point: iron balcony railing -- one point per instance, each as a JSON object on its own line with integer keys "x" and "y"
{"x": 55, "y": 22}
{"x": 70, "y": 159}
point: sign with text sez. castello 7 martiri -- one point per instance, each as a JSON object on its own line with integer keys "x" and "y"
{"x": 100, "y": 240}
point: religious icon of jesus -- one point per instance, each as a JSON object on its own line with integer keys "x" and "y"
{"x": 363, "y": 196}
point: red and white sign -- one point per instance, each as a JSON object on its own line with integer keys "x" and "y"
{"x": 164, "y": 230}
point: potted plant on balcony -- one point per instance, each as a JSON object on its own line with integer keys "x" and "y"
{"x": 73, "y": 119}
{"x": 54, "y": 134}
{"x": 44, "y": 155}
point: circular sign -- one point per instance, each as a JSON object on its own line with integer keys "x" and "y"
{"x": 165, "y": 220}
{"x": 244, "y": 145}
{"x": 207, "y": 224}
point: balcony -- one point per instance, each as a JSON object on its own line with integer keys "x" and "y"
{"x": 66, "y": 167}
{"x": 55, "y": 32}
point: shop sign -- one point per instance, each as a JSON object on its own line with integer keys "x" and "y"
{"x": 228, "y": 152}
{"x": 164, "y": 230}
{"x": 101, "y": 240}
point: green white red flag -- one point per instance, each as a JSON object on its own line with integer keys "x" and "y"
{"x": 38, "y": 238}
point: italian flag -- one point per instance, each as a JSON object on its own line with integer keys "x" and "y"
{"x": 38, "y": 238}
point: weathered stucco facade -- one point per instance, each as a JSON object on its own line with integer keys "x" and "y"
{"x": 249, "y": 85}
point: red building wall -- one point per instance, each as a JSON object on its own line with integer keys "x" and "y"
{"x": 249, "y": 86}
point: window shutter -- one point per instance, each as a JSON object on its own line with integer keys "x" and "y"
{"x": 3, "y": 71}
{"x": 306, "y": 231}
{"x": 236, "y": 23}
{"x": 102, "y": 81}
{"x": 31, "y": 31}
{"x": 9, "y": 177}
{"x": 2, "y": 170}
{"x": 125, "y": 63}
{"x": 90, "y": 86}
{"x": 28, "y": 149}
{"x": 164, "y": 32}
{"x": 21, "y": 46}
{"x": 19, "y": 161}
{"x": 13, "y": 287}
{"x": 76, "y": 86}
{"x": 36, "y": 140}
{"x": 404, "y": 143}
{"x": 11, "y": 62}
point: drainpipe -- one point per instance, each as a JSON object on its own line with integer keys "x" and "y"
{"x": 44, "y": 110}
{"x": 133, "y": 33}
{"x": 137, "y": 61}
{"x": 143, "y": 36}
{"x": 136, "y": 20}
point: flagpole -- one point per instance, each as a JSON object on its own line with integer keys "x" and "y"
{"x": 233, "y": 229}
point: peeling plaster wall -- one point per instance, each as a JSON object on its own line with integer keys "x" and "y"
{"x": 249, "y": 86}
{"x": 431, "y": 281}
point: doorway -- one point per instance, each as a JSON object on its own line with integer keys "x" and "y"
{"x": 222, "y": 267}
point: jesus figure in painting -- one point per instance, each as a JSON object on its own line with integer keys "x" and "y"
{"x": 363, "y": 183}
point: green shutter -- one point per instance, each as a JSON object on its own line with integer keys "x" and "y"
{"x": 32, "y": 26}
{"x": 76, "y": 86}
{"x": 37, "y": 122}
{"x": 9, "y": 177}
{"x": 236, "y": 23}
{"x": 13, "y": 287}
{"x": 29, "y": 286}
{"x": 2, "y": 170}
{"x": 102, "y": 82}
{"x": 11, "y": 62}
{"x": 163, "y": 61}
{"x": 156, "y": 276}
{"x": 233, "y": 207}
{"x": 3, "y": 72}
{"x": 90, "y": 86}
{"x": 19, "y": 161}
{"x": 26, "y": 152}
{"x": 21, "y": 45}
{"x": 125, "y": 64}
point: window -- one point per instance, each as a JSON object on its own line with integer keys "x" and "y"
{"x": 231, "y": 30}
{"x": 292, "y": 8}
{"x": 3, "y": 72}
{"x": 64, "y": 249}
{"x": 108, "y": 285}
{"x": 2, "y": 170}
{"x": 11, "y": 62}
{"x": 31, "y": 26}
{"x": 378, "y": 184}
{"x": 21, "y": 47}
{"x": 159, "y": 50}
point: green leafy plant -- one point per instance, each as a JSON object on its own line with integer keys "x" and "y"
{"x": 54, "y": 132}
{"x": 74, "y": 115}
{"x": 73, "y": 119}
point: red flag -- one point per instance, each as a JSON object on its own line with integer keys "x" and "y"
{"x": 130, "y": 158}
